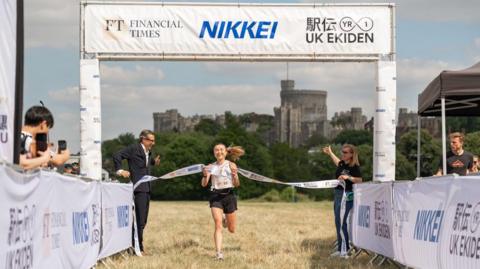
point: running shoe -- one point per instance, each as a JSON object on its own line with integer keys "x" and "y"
{"x": 335, "y": 254}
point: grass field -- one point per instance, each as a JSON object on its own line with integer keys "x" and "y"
{"x": 269, "y": 235}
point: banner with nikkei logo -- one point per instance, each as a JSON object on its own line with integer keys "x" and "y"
{"x": 117, "y": 218}
{"x": 372, "y": 218}
{"x": 79, "y": 239}
{"x": 48, "y": 220}
{"x": 237, "y": 29}
{"x": 419, "y": 218}
{"x": 459, "y": 244}
{"x": 8, "y": 26}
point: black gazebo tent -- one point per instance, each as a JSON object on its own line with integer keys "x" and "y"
{"x": 457, "y": 92}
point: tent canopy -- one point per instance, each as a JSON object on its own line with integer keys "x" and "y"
{"x": 461, "y": 90}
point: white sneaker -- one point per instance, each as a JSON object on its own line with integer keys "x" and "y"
{"x": 335, "y": 254}
{"x": 344, "y": 255}
{"x": 224, "y": 221}
{"x": 219, "y": 256}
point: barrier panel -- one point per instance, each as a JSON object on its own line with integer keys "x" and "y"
{"x": 372, "y": 218}
{"x": 117, "y": 218}
{"x": 419, "y": 210}
{"x": 460, "y": 234}
{"x": 48, "y": 220}
{"x": 436, "y": 221}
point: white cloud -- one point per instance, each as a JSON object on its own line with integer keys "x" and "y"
{"x": 140, "y": 73}
{"x": 67, "y": 127}
{"x": 342, "y": 81}
{"x": 475, "y": 51}
{"x": 69, "y": 94}
{"x": 439, "y": 10}
{"x": 349, "y": 84}
{"x": 133, "y": 112}
{"x": 430, "y": 10}
{"x": 245, "y": 68}
{"x": 413, "y": 76}
{"x": 193, "y": 99}
{"x": 52, "y": 23}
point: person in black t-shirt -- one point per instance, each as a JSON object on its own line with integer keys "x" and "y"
{"x": 459, "y": 161}
{"x": 348, "y": 171}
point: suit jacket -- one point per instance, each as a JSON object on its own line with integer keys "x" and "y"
{"x": 137, "y": 166}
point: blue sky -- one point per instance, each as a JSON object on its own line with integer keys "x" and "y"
{"x": 431, "y": 36}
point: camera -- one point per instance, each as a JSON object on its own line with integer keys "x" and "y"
{"x": 42, "y": 141}
{"x": 62, "y": 145}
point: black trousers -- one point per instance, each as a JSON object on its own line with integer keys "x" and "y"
{"x": 142, "y": 204}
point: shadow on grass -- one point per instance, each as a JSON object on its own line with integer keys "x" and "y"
{"x": 322, "y": 248}
{"x": 212, "y": 248}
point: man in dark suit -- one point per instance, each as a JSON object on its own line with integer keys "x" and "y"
{"x": 139, "y": 160}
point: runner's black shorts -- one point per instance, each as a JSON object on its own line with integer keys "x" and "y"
{"x": 226, "y": 201}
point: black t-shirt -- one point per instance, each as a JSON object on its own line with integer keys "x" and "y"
{"x": 458, "y": 164}
{"x": 345, "y": 169}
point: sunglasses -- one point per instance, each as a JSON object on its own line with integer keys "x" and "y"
{"x": 151, "y": 140}
{"x": 346, "y": 152}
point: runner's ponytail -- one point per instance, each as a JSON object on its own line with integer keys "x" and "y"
{"x": 235, "y": 152}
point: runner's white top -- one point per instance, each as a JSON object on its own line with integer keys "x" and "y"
{"x": 221, "y": 175}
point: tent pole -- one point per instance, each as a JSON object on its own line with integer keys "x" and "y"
{"x": 419, "y": 141}
{"x": 444, "y": 138}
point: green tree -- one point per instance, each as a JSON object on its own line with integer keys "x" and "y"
{"x": 472, "y": 143}
{"x": 126, "y": 139}
{"x": 208, "y": 127}
{"x": 430, "y": 154}
{"x": 257, "y": 157}
{"x": 354, "y": 137}
{"x": 290, "y": 164}
{"x": 316, "y": 140}
{"x": 404, "y": 169}
{"x": 365, "y": 157}
{"x": 322, "y": 168}
{"x": 463, "y": 124}
{"x": 110, "y": 147}
{"x": 182, "y": 150}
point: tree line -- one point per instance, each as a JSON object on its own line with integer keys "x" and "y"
{"x": 279, "y": 161}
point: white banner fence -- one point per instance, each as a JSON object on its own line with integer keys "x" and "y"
{"x": 431, "y": 223}
{"x": 48, "y": 220}
{"x": 372, "y": 218}
{"x": 8, "y": 26}
{"x": 117, "y": 218}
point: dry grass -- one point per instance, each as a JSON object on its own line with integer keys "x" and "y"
{"x": 269, "y": 235}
